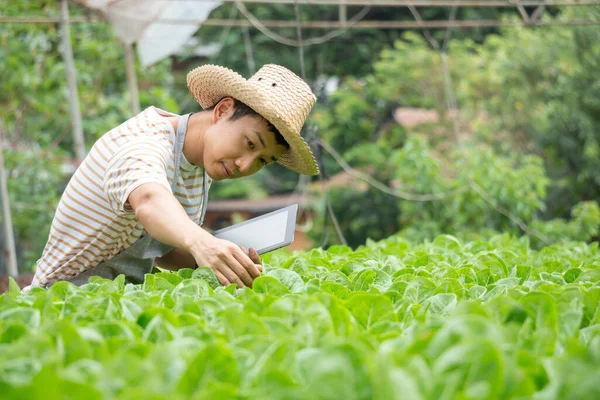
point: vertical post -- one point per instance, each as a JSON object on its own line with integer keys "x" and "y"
{"x": 9, "y": 251}
{"x": 343, "y": 13}
{"x": 72, "y": 82}
{"x": 132, "y": 78}
{"x": 249, "y": 51}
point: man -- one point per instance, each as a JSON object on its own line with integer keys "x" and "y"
{"x": 140, "y": 195}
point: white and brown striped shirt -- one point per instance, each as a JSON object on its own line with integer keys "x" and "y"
{"x": 93, "y": 220}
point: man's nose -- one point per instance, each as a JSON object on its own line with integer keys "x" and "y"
{"x": 244, "y": 164}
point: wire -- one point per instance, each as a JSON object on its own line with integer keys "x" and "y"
{"x": 448, "y": 34}
{"x": 300, "y": 41}
{"x": 310, "y": 137}
{"x": 302, "y": 179}
{"x": 301, "y": 189}
{"x": 308, "y": 42}
{"x": 328, "y": 208}
{"x": 507, "y": 213}
{"x": 426, "y": 32}
{"x": 335, "y": 224}
{"x": 452, "y": 104}
{"x": 227, "y": 30}
{"x": 383, "y": 187}
{"x": 249, "y": 51}
{"x": 327, "y": 204}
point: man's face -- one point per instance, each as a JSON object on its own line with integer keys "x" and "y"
{"x": 234, "y": 149}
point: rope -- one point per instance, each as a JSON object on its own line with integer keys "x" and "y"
{"x": 249, "y": 51}
{"x": 227, "y": 30}
{"x": 452, "y": 104}
{"x": 426, "y": 32}
{"x": 310, "y": 137}
{"x": 507, "y": 213}
{"x": 448, "y": 33}
{"x": 295, "y": 43}
{"x": 383, "y": 187}
{"x": 300, "y": 41}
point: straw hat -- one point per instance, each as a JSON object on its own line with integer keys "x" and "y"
{"x": 274, "y": 92}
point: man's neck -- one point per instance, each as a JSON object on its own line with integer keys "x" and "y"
{"x": 193, "y": 147}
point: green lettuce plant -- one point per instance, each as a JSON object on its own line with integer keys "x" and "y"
{"x": 393, "y": 319}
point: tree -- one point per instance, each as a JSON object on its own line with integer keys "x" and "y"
{"x": 541, "y": 86}
{"x": 504, "y": 88}
{"x": 34, "y": 108}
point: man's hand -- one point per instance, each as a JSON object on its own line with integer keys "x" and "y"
{"x": 253, "y": 254}
{"x": 228, "y": 261}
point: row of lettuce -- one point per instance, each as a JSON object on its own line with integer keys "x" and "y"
{"x": 391, "y": 320}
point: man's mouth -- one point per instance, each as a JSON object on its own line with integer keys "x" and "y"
{"x": 226, "y": 170}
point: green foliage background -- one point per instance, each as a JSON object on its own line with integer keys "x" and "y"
{"x": 527, "y": 134}
{"x": 432, "y": 299}
{"x": 34, "y": 109}
{"x": 527, "y": 128}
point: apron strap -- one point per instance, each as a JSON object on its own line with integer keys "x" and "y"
{"x": 178, "y": 147}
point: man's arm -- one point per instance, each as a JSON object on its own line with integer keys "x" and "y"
{"x": 165, "y": 220}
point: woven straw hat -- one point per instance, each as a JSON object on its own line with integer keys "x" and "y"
{"x": 274, "y": 92}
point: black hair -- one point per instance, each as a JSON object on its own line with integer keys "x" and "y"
{"x": 241, "y": 110}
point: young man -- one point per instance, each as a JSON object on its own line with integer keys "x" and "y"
{"x": 140, "y": 195}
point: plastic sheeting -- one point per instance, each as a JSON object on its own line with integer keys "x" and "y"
{"x": 139, "y": 21}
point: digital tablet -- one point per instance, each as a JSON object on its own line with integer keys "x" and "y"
{"x": 264, "y": 233}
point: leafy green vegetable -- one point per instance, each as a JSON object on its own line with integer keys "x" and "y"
{"x": 390, "y": 320}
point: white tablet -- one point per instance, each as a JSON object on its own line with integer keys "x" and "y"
{"x": 264, "y": 233}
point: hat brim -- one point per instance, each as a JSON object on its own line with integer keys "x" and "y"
{"x": 211, "y": 83}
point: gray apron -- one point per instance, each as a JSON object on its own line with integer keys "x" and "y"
{"x": 137, "y": 260}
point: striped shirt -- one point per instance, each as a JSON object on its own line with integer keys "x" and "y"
{"x": 94, "y": 221}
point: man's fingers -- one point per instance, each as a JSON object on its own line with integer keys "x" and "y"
{"x": 247, "y": 264}
{"x": 254, "y": 256}
{"x": 224, "y": 281}
{"x": 256, "y": 259}
{"x": 230, "y": 275}
{"x": 236, "y": 264}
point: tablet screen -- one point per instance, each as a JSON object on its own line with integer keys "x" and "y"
{"x": 264, "y": 233}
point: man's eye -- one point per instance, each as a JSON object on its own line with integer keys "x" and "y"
{"x": 250, "y": 144}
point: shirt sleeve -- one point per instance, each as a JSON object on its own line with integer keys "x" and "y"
{"x": 142, "y": 160}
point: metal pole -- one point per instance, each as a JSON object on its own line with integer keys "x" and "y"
{"x": 132, "y": 78}
{"x": 10, "y": 252}
{"x": 382, "y": 3}
{"x": 72, "y": 82}
{"x": 431, "y": 24}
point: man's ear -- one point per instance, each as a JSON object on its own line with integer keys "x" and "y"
{"x": 223, "y": 109}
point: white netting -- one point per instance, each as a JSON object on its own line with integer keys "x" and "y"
{"x": 139, "y": 21}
